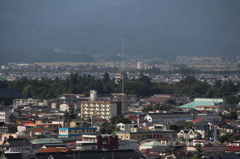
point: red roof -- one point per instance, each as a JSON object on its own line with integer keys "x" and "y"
{"x": 100, "y": 119}
{"x": 71, "y": 143}
{"x": 233, "y": 149}
{"x": 51, "y": 149}
{"x": 133, "y": 117}
{"x": 28, "y": 115}
{"x": 32, "y": 124}
{"x": 197, "y": 120}
{"x": 26, "y": 121}
{"x": 37, "y": 130}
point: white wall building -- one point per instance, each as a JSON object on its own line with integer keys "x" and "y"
{"x": 66, "y": 106}
{"x": 126, "y": 127}
{"x": 100, "y": 108}
{"x": 8, "y": 116}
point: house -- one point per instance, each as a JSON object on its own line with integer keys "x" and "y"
{"x": 74, "y": 124}
{"x": 98, "y": 124}
{"x": 13, "y": 145}
{"x": 200, "y": 142}
{"x": 126, "y": 127}
{"x": 150, "y": 145}
{"x": 128, "y": 144}
{"x": 209, "y": 108}
{"x": 139, "y": 134}
{"x": 203, "y": 132}
{"x": 168, "y": 117}
{"x": 188, "y": 134}
{"x": 85, "y": 145}
{"x": 44, "y": 141}
{"x": 67, "y": 106}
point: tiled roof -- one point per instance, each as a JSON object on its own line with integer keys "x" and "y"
{"x": 51, "y": 149}
{"x": 197, "y": 120}
{"x": 233, "y": 149}
{"x": 37, "y": 130}
{"x": 153, "y": 144}
{"x": 156, "y": 99}
{"x": 46, "y": 141}
{"x": 15, "y": 142}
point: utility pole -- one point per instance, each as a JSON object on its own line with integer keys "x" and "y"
{"x": 122, "y": 76}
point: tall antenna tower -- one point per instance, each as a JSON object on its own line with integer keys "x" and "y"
{"x": 122, "y": 76}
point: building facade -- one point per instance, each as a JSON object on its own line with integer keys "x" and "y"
{"x": 100, "y": 108}
{"x": 136, "y": 134}
{"x": 8, "y": 116}
{"x": 75, "y": 132}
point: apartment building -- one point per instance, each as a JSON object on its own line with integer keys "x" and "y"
{"x": 9, "y": 116}
{"x": 103, "y": 109}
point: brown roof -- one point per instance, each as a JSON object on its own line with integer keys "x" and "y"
{"x": 157, "y": 99}
{"x": 51, "y": 149}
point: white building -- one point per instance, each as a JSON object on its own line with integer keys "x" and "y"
{"x": 210, "y": 108}
{"x": 8, "y": 116}
{"x": 102, "y": 109}
{"x": 126, "y": 127}
{"x": 67, "y": 106}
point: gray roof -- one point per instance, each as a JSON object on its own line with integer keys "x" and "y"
{"x": 15, "y": 142}
{"x": 171, "y": 115}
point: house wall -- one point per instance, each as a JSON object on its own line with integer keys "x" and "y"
{"x": 126, "y": 127}
{"x": 128, "y": 144}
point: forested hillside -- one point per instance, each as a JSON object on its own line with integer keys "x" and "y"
{"x": 142, "y": 87}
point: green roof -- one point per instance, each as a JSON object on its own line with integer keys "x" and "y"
{"x": 153, "y": 144}
{"x": 201, "y": 102}
{"x": 46, "y": 141}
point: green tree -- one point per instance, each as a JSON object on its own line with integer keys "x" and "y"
{"x": 186, "y": 124}
{"x": 198, "y": 153}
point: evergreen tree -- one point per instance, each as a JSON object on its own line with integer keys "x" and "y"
{"x": 198, "y": 153}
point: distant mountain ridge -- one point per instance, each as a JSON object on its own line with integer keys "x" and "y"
{"x": 152, "y": 27}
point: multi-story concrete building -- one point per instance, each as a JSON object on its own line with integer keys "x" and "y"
{"x": 9, "y": 116}
{"x": 103, "y": 109}
{"x": 78, "y": 131}
{"x": 138, "y": 134}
